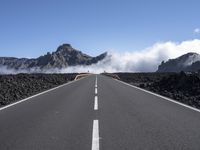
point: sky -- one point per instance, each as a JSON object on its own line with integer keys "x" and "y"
{"x": 30, "y": 28}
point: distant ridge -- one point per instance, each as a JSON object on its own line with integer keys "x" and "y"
{"x": 186, "y": 62}
{"x": 63, "y": 57}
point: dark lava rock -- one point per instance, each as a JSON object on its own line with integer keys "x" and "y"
{"x": 20, "y": 86}
{"x": 142, "y": 79}
{"x": 182, "y": 87}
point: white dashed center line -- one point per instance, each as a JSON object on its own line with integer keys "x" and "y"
{"x": 96, "y": 82}
{"x": 95, "y": 103}
{"x": 95, "y": 135}
{"x": 95, "y": 131}
{"x": 95, "y": 90}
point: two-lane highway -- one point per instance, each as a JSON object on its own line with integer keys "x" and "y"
{"x": 98, "y": 112}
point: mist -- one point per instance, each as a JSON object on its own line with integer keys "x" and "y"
{"x": 146, "y": 60}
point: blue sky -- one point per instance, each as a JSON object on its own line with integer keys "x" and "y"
{"x": 30, "y": 28}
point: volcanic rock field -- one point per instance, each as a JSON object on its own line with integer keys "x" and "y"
{"x": 182, "y": 87}
{"x": 20, "y": 86}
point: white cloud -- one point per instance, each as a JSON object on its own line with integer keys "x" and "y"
{"x": 146, "y": 60}
{"x": 197, "y": 30}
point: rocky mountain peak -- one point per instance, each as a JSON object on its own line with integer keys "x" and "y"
{"x": 187, "y": 59}
{"x": 65, "y": 48}
{"x": 63, "y": 57}
{"x": 186, "y": 62}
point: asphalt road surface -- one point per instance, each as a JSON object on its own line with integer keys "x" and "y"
{"x": 98, "y": 113}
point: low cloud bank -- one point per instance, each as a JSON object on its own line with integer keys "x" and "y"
{"x": 146, "y": 60}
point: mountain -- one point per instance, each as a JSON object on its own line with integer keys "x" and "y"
{"x": 187, "y": 62}
{"x": 63, "y": 57}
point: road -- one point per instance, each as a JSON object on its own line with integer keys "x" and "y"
{"x": 98, "y": 113}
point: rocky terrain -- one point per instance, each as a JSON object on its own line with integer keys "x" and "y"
{"x": 182, "y": 87}
{"x": 63, "y": 57}
{"x": 20, "y": 86}
{"x": 142, "y": 79}
{"x": 189, "y": 62}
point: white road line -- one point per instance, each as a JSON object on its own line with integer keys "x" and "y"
{"x": 96, "y": 82}
{"x": 28, "y": 98}
{"x": 95, "y": 103}
{"x": 95, "y": 135}
{"x": 96, "y": 91}
{"x": 95, "y": 85}
{"x": 163, "y": 97}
